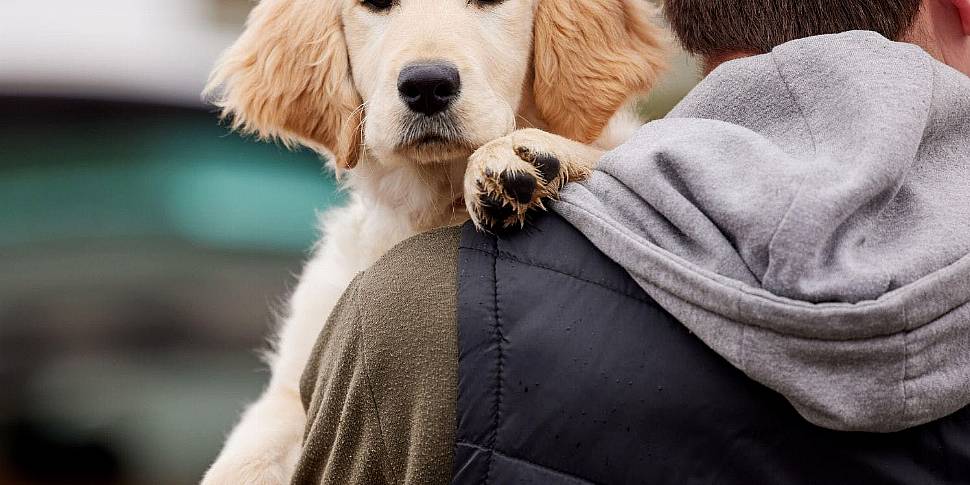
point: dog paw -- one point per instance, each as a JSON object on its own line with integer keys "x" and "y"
{"x": 513, "y": 175}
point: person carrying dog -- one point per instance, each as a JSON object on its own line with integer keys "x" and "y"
{"x": 769, "y": 286}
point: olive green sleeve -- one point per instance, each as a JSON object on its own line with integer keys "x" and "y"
{"x": 343, "y": 442}
{"x": 381, "y": 387}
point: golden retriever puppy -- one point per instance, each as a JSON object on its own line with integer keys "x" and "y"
{"x": 406, "y": 98}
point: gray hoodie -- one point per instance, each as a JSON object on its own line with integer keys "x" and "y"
{"x": 806, "y": 213}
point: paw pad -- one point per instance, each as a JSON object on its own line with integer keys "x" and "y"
{"x": 548, "y": 167}
{"x": 519, "y": 186}
{"x": 495, "y": 208}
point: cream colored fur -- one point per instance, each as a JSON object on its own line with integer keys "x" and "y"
{"x": 323, "y": 74}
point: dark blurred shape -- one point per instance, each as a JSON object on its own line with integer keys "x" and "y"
{"x": 45, "y": 456}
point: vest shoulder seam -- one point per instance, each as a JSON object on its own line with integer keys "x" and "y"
{"x": 504, "y": 255}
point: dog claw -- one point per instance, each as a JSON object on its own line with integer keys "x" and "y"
{"x": 524, "y": 153}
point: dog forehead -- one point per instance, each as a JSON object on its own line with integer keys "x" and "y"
{"x": 439, "y": 24}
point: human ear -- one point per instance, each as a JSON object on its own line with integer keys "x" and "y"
{"x": 963, "y": 9}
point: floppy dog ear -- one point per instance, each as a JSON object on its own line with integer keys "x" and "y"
{"x": 591, "y": 57}
{"x": 288, "y": 78}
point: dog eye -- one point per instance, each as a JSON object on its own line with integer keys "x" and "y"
{"x": 378, "y": 5}
{"x": 485, "y": 3}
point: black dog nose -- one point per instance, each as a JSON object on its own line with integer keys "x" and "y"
{"x": 429, "y": 88}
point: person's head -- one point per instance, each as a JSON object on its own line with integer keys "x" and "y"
{"x": 725, "y": 29}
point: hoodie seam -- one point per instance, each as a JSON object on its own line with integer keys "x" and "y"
{"x": 801, "y": 179}
{"x": 794, "y": 100}
{"x": 907, "y": 415}
{"x": 934, "y": 91}
{"x": 744, "y": 334}
{"x": 907, "y": 354}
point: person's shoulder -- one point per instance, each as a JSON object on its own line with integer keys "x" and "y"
{"x": 407, "y": 300}
{"x": 409, "y": 293}
{"x": 414, "y": 268}
{"x": 406, "y": 297}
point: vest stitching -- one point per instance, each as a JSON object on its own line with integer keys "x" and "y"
{"x": 492, "y": 451}
{"x": 510, "y": 257}
{"x": 499, "y": 338}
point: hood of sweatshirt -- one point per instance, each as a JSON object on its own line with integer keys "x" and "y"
{"x": 806, "y": 213}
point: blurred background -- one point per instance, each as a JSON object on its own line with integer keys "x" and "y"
{"x": 143, "y": 248}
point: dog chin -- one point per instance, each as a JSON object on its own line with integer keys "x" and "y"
{"x": 433, "y": 150}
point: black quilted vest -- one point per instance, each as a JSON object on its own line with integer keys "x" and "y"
{"x": 570, "y": 374}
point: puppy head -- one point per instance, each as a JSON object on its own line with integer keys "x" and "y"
{"x": 439, "y": 77}
{"x": 429, "y": 81}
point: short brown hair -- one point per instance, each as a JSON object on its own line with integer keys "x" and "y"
{"x": 716, "y": 27}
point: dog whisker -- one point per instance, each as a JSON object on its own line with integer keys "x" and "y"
{"x": 526, "y": 120}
